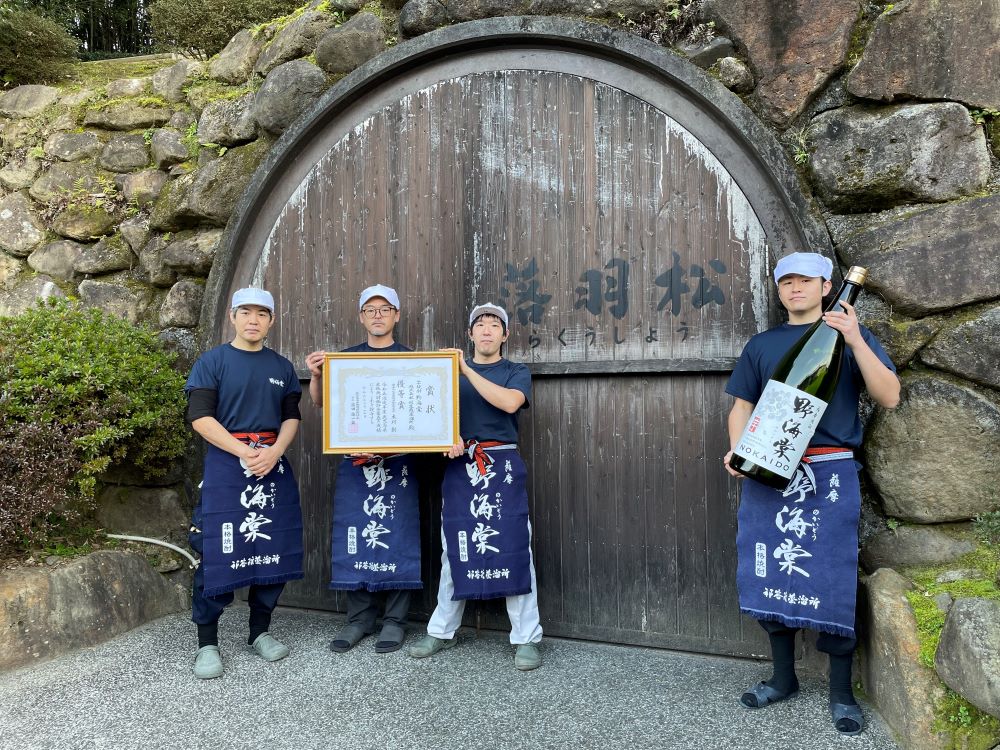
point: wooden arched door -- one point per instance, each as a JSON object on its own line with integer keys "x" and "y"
{"x": 623, "y": 208}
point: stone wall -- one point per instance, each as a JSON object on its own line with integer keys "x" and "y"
{"x": 118, "y": 195}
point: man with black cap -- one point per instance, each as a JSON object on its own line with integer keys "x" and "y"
{"x": 378, "y": 492}
{"x": 485, "y": 530}
{"x": 797, "y": 549}
{"x": 243, "y": 399}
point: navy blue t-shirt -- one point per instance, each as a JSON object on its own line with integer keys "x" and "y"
{"x": 395, "y": 346}
{"x": 840, "y": 425}
{"x": 250, "y": 386}
{"x": 481, "y": 420}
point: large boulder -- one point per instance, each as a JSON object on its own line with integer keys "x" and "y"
{"x": 145, "y": 186}
{"x": 228, "y": 122}
{"x": 62, "y": 180}
{"x": 116, "y": 298}
{"x": 168, "y": 148}
{"x": 343, "y": 49}
{"x": 794, "y": 46}
{"x": 142, "y": 511}
{"x": 288, "y": 91}
{"x": 217, "y": 186}
{"x": 900, "y": 336}
{"x": 152, "y": 269}
{"x": 970, "y": 349}
{"x": 920, "y": 261}
{"x": 74, "y": 146}
{"x": 135, "y": 232}
{"x": 27, "y": 101}
{"x": 234, "y": 64}
{"x": 184, "y": 343}
{"x": 904, "y": 690}
{"x": 182, "y": 307}
{"x": 126, "y": 116}
{"x": 915, "y": 546}
{"x": 127, "y": 87}
{"x": 83, "y": 222}
{"x": 192, "y": 252}
{"x": 49, "y": 611}
{"x": 172, "y": 210}
{"x": 933, "y": 50}
{"x": 865, "y": 157}
{"x": 109, "y": 255}
{"x": 125, "y": 153}
{"x": 26, "y": 294}
{"x": 933, "y": 458}
{"x": 57, "y": 259}
{"x": 21, "y": 229}
{"x": 11, "y": 271}
{"x": 169, "y": 82}
{"x": 968, "y": 654}
{"x": 297, "y": 39}
{"x": 19, "y": 171}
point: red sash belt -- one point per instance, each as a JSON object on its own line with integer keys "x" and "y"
{"x": 476, "y": 451}
{"x": 373, "y": 458}
{"x": 254, "y": 439}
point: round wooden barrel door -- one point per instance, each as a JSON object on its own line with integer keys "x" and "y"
{"x": 623, "y": 209}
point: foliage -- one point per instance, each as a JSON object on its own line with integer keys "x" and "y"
{"x": 678, "y": 21}
{"x": 33, "y": 49}
{"x": 81, "y": 390}
{"x": 104, "y": 28}
{"x": 987, "y": 527}
{"x": 204, "y": 28}
{"x": 980, "y": 116}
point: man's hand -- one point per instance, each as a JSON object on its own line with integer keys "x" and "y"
{"x": 456, "y": 450}
{"x": 314, "y": 362}
{"x": 845, "y": 322}
{"x": 730, "y": 469}
{"x": 263, "y": 460}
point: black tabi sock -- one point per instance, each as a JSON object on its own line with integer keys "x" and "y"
{"x": 783, "y": 653}
{"x": 840, "y": 680}
{"x": 208, "y": 635}
{"x": 260, "y": 622}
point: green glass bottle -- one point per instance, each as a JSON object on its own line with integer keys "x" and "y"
{"x": 785, "y": 417}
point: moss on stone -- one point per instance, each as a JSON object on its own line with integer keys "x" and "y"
{"x": 156, "y": 102}
{"x": 969, "y": 727}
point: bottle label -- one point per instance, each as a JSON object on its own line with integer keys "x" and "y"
{"x": 780, "y": 428}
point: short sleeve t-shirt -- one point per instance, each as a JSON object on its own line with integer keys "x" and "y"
{"x": 250, "y": 386}
{"x": 840, "y": 425}
{"x": 478, "y": 418}
{"x": 395, "y": 346}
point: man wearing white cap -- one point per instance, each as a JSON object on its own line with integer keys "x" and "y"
{"x": 812, "y": 525}
{"x": 373, "y": 489}
{"x": 485, "y": 530}
{"x": 243, "y": 399}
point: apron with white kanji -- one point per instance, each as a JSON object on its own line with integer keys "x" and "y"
{"x": 797, "y": 549}
{"x": 251, "y": 526}
{"x": 484, "y": 517}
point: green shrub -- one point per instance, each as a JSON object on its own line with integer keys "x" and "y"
{"x": 80, "y": 390}
{"x": 33, "y": 49}
{"x": 204, "y": 28}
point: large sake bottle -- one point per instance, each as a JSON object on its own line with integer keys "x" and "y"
{"x": 794, "y": 399}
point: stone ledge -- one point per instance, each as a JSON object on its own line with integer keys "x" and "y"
{"x": 49, "y": 611}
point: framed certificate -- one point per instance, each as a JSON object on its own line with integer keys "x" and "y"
{"x": 398, "y": 402}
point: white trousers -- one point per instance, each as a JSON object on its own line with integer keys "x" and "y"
{"x": 522, "y": 609}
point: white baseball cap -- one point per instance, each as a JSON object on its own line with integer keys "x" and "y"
{"x": 488, "y": 309}
{"x": 379, "y": 290}
{"x": 253, "y": 296}
{"x": 804, "y": 264}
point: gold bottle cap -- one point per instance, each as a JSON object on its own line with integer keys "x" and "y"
{"x": 857, "y": 275}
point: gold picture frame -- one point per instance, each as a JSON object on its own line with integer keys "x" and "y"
{"x": 390, "y": 402}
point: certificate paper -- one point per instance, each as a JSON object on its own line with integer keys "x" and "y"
{"x": 399, "y": 402}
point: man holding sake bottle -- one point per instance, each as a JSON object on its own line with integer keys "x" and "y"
{"x": 794, "y": 429}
